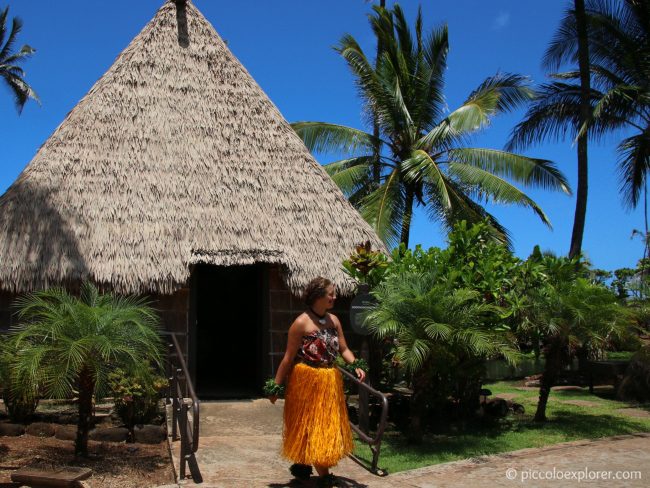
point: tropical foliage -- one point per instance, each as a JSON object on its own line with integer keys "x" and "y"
{"x": 66, "y": 343}
{"x": 418, "y": 155}
{"x": 444, "y": 327}
{"x": 568, "y": 314}
{"x": 10, "y": 71}
{"x": 366, "y": 266}
{"x": 449, "y": 310}
{"x": 136, "y": 396}
{"x": 19, "y": 404}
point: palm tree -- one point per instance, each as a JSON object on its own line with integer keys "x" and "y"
{"x": 376, "y": 168}
{"x": 569, "y": 314}
{"x": 436, "y": 325}
{"x": 423, "y": 161}
{"x": 12, "y": 74}
{"x": 585, "y": 113}
{"x": 66, "y": 343}
{"x": 618, "y": 35}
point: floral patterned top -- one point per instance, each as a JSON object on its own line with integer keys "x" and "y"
{"x": 319, "y": 348}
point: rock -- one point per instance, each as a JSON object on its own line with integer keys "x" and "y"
{"x": 496, "y": 407}
{"x": 150, "y": 434}
{"x": 517, "y": 408}
{"x": 66, "y": 432}
{"x": 533, "y": 381}
{"x": 40, "y": 429}
{"x": 11, "y": 430}
{"x": 111, "y": 434}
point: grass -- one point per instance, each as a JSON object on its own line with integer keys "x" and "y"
{"x": 565, "y": 423}
{"x": 620, "y": 355}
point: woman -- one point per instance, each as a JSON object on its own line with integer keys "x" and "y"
{"x": 316, "y": 427}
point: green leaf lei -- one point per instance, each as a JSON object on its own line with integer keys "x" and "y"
{"x": 358, "y": 363}
{"x": 271, "y": 388}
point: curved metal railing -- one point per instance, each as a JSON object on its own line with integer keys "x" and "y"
{"x": 188, "y": 428}
{"x": 373, "y": 442}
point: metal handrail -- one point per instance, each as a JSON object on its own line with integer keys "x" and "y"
{"x": 373, "y": 442}
{"x": 189, "y": 436}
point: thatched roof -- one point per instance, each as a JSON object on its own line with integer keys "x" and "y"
{"x": 175, "y": 157}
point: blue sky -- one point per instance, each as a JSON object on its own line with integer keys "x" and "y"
{"x": 287, "y": 47}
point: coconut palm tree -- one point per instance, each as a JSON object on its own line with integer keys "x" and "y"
{"x": 66, "y": 343}
{"x": 436, "y": 325}
{"x": 10, "y": 71}
{"x": 423, "y": 159}
{"x": 618, "y": 35}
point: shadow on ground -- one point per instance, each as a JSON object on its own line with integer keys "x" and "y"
{"x": 313, "y": 482}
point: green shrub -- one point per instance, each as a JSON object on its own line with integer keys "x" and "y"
{"x": 136, "y": 396}
{"x": 20, "y": 404}
{"x": 636, "y": 382}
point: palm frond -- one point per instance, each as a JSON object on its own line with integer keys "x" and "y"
{"x": 563, "y": 47}
{"x": 351, "y": 174}
{"x": 321, "y": 137}
{"x": 534, "y": 172}
{"x": 497, "y": 94}
{"x": 633, "y": 166}
{"x": 383, "y": 209}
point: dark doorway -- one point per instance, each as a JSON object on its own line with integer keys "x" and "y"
{"x": 229, "y": 329}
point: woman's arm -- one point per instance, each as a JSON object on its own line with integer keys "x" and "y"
{"x": 346, "y": 353}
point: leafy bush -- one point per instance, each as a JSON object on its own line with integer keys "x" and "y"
{"x": 636, "y": 382}
{"x": 20, "y": 404}
{"x": 136, "y": 396}
{"x": 365, "y": 265}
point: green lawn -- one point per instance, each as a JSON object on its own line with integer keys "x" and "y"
{"x": 565, "y": 423}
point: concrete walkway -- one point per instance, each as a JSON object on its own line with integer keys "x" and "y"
{"x": 240, "y": 443}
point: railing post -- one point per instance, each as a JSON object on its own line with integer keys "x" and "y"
{"x": 175, "y": 410}
{"x": 184, "y": 447}
{"x": 180, "y": 388}
{"x": 364, "y": 411}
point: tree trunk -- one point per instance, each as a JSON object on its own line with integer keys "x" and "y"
{"x": 86, "y": 389}
{"x": 408, "y": 215}
{"x": 552, "y": 370}
{"x": 376, "y": 167}
{"x": 375, "y": 349}
{"x": 585, "y": 115}
{"x": 417, "y": 410}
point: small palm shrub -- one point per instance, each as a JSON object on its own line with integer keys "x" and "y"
{"x": 569, "y": 315}
{"x": 67, "y": 344}
{"x": 443, "y": 336}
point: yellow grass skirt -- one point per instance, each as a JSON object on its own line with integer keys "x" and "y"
{"x": 316, "y": 426}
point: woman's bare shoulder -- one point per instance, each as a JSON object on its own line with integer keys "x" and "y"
{"x": 300, "y": 323}
{"x": 335, "y": 320}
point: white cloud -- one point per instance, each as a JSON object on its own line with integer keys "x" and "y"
{"x": 501, "y": 20}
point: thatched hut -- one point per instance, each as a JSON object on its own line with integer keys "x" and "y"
{"x": 177, "y": 177}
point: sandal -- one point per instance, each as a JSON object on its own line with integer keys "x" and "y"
{"x": 301, "y": 472}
